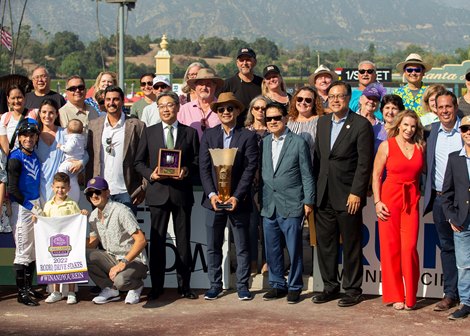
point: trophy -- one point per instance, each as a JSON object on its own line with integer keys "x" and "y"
{"x": 223, "y": 162}
{"x": 169, "y": 162}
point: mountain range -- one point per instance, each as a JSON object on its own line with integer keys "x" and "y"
{"x": 440, "y": 25}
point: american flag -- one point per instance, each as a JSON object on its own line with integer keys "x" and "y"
{"x": 5, "y": 38}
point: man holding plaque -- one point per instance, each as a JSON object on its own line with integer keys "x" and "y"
{"x": 167, "y": 157}
{"x": 229, "y": 200}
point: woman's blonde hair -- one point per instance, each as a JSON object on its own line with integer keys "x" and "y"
{"x": 393, "y": 130}
{"x": 98, "y": 79}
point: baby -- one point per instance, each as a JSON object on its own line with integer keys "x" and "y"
{"x": 74, "y": 150}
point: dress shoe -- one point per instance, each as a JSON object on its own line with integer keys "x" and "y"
{"x": 349, "y": 300}
{"x": 25, "y": 298}
{"x": 189, "y": 294}
{"x": 293, "y": 297}
{"x": 460, "y": 313}
{"x": 445, "y": 304}
{"x": 324, "y": 297}
{"x": 274, "y": 294}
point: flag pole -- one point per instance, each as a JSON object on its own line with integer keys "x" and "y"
{"x": 17, "y": 38}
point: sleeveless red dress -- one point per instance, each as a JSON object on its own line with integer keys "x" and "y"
{"x": 399, "y": 233}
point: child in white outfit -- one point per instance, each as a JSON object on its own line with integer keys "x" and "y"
{"x": 74, "y": 150}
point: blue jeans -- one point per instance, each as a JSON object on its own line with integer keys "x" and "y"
{"x": 291, "y": 228}
{"x": 125, "y": 199}
{"x": 239, "y": 222}
{"x": 446, "y": 242}
{"x": 462, "y": 254}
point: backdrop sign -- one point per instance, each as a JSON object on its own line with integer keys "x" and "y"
{"x": 448, "y": 74}
{"x": 60, "y": 249}
{"x": 430, "y": 279}
{"x": 384, "y": 75}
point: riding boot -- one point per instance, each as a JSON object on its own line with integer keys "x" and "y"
{"x": 29, "y": 273}
{"x": 23, "y": 294}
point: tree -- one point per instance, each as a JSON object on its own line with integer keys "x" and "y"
{"x": 263, "y": 46}
{"x": 63, "y": 44}
{"x": 72, "y": 64}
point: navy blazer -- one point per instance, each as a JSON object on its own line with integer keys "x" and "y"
{"x": 456, "y": 189}
{"x": 346, "y": 168}
{"x": 244, "y": 167}
{"x": 431, "y": 141}
{"x": 180, "y": 192}
{"x": 290, "y": 185}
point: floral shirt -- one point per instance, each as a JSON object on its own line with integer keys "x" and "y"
{"x": 410, "y": 101}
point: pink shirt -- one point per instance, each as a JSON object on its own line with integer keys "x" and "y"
{"x": 190, "y": 114}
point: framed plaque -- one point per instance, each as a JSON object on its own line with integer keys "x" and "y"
{"x": 169, "y": 162}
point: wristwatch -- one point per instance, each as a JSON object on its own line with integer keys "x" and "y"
{"x": 125, "y": 261}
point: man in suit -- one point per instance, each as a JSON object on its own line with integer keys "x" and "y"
{"x": 455, "y": 204}
{"x": 112, "y": 144}
{"x": 167, "y": 195}
{"x": 287, "y": 198}
{"x": 344, "y": 148}
{"x": 228, "y": 135}
{"x": 443, "y": 139}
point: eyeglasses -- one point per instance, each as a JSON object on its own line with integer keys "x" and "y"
{"x": 203, "y": 124}
{"x": 369, "y": 71}
{"x": 146, "y": 83}
{"x": 38, "y": 77}
{"x": 276, "y": 118}
{"x": 160, "y": 86}
{"x": 75, "y": 88}
{"x": 223, "y": 109}
{"x": 339, "y": 97}
{"x": 257, "y": 108}
{"x": 92, "y": 192}
{"x": 109, "y": 147}
{"x": 411, "y": 70}
{"x": 464, "y": 129}
{"x": 307, "y": 100}
{"x": 167, "y": 105}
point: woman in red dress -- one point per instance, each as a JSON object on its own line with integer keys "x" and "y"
{"x": 396, "y": 202}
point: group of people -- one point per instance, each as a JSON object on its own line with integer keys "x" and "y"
{"x": 313, "y": 157}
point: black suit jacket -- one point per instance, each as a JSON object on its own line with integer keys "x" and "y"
{"x": 244, "y": 167}
{"x": 456, "y": 189}
{"x": 346, "y": 168}
{"x": 158, "y": 192}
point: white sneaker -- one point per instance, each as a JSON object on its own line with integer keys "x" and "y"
{"x": 133, "y": 296}
{"x": 71, "y": 298}
{"x": 107, "y": 295}
{"x": 54, "y": 297}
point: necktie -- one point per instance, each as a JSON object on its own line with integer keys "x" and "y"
{"x": 170, "y": 141}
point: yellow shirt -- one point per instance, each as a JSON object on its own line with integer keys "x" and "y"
{"x": 67, "y": 207}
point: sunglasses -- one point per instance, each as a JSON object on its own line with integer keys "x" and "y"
{"x": 411, "y": 70}
{"x": 223, "y": 109}
{"x": 92, "y": 192}
{"x": 160, "y": 86}
{"x": 75, "y": 88}
{"x": 203, "y": 124}
{"x": 109, "y": 147}
{"x": 307, "y": 100}
{"x": 146, "y": 83}
{"x": 464, "y": 129}
{"x": 258, "y": 108}
{"x": 276, "y": 118}
{"x": 369, "y": 71}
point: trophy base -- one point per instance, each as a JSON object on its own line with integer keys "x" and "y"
{"x": 223, "y": 206}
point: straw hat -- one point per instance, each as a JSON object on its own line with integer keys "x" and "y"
{"x": 227, "y": 97}
{"x": 319, "y": 71}
{"x": 206, "y": 73}
{"x": 413, "y": 59}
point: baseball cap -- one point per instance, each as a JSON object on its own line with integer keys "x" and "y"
{"x": 246, "y": 52}
{"x": 271, "y": 69}
{"x": 161, "y": 79}
{"x": 96, "y": 183}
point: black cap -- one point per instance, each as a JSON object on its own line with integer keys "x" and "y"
{"x": 271, "y": 69}
{"x": 246, "y": 52}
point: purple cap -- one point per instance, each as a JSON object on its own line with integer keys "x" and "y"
{"x": 97, "y": 183}
{"x": 374, "y": 90}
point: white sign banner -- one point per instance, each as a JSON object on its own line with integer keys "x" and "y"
{"x": 60, "y": 249}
